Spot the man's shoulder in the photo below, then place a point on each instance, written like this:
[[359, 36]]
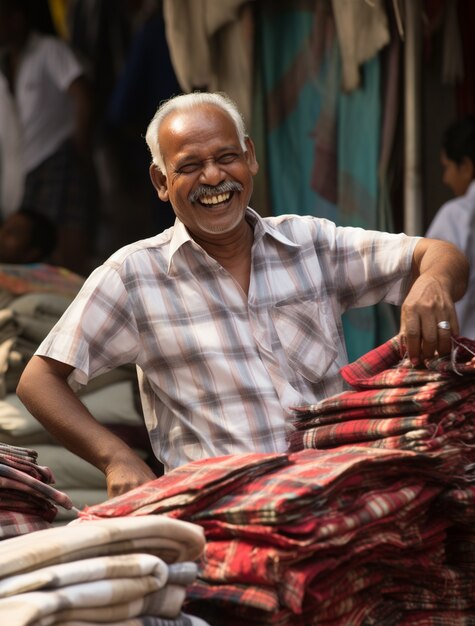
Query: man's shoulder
[[141, 250], [292, 224]]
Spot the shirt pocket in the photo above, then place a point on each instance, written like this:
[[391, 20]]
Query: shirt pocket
[[308, 335]]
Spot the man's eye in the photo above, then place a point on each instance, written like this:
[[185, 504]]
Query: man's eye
[[228, 158], [189, 168]]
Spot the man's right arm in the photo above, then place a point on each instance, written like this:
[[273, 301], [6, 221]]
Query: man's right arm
[[45, 392]]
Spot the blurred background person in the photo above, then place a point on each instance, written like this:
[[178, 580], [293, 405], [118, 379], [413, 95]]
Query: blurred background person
[[27, 236], [55, 111], [455, 220]]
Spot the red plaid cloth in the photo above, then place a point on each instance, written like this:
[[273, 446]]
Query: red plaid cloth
[[430, 397], [385, 366], [13, 523], [12, 478], [341, 536], [187, 488], [441, 618], [289, 534], [396, 406], [411, 428], [40, 472]]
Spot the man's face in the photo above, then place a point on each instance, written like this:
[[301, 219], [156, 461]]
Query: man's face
[[208, 177], [456, 175]]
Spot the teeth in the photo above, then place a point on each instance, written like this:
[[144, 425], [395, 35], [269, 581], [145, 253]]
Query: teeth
[[222, 197]]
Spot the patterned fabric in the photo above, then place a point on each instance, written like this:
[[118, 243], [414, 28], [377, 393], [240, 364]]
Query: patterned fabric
[[86, 570], [106, 571], [385, 366], [142, 620], [280, 543], [28, 501], [111, 600], [14, 522], [192, 486], [13, 478], [218, 371], [395, 405], [349, 534], [171, 540]]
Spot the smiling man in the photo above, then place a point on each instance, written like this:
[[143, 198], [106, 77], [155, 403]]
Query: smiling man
[[230, 318]]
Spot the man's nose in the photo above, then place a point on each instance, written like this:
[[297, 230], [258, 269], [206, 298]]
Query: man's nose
[[211, 173]]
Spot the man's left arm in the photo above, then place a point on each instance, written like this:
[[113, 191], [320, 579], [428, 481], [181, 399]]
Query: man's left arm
[[440, 277]]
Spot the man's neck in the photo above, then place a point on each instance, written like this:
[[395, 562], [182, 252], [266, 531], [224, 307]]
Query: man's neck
[[233, 252]]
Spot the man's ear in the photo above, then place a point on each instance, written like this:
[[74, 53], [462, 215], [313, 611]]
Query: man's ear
[[251, 156], [159, 181]]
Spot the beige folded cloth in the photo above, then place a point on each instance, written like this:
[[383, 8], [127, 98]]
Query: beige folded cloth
[[27, 608], [85, 570], [170, 539], [165, 603]]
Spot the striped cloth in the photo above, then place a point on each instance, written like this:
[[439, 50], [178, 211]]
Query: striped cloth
[[28, 499], [394, 405], [345, 533]]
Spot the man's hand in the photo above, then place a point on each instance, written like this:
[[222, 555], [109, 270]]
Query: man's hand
[[124, 474], [440, 277], [427, 304]]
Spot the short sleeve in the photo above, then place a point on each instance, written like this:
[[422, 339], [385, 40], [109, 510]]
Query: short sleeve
[[97, 332]]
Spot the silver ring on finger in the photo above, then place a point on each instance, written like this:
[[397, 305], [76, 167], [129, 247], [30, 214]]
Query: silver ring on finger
[[443, 325]]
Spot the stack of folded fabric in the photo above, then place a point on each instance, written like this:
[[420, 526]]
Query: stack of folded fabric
[[28, 500], [394, 405], [315, 537], [430, 409], [122, 571]]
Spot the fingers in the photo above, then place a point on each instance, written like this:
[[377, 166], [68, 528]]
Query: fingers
[[428, 303], [444, 335], [424, 336]]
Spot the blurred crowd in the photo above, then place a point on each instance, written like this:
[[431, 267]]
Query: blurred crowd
[[79, 82]]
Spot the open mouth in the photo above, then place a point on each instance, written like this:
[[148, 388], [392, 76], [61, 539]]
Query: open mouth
[[220, 198]]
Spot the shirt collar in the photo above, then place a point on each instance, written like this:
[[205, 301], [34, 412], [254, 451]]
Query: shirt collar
[[261, 227]]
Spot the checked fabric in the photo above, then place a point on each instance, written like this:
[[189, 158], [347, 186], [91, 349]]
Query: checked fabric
[[372, 527], [132, 571], [28, 499], [394, 405]]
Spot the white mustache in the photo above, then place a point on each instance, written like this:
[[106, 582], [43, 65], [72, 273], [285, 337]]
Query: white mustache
[[208, 190]]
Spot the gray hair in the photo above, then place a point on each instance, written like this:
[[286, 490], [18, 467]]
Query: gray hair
[[186, 102]]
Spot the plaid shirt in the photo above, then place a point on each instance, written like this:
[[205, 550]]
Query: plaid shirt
[[218, 370]]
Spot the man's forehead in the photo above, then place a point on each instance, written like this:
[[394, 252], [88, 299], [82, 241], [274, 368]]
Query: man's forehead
[[181, 120], [191, 127]]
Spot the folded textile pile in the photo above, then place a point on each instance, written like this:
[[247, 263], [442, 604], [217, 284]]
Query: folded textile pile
[[314, 537], [132, 572], [429, 409], [394, 405], [28, 500]]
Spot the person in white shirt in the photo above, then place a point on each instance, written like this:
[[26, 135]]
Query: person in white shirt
[[54, 106], [455, 220]]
